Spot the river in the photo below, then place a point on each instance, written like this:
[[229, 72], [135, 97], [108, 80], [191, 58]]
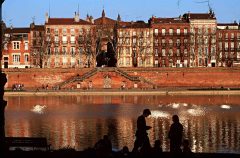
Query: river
[[211, 123]]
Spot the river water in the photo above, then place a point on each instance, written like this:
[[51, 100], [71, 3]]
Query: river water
[[211, 123]]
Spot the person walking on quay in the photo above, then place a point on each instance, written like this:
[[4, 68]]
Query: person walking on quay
[[175, 135], [141, 133]]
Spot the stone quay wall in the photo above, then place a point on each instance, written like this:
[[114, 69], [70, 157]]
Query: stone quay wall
[[149, 78]]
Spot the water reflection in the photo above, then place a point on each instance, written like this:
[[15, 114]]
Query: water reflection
[[212, 123]]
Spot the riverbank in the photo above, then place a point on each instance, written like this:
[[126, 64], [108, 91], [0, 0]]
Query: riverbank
[[124, 92]]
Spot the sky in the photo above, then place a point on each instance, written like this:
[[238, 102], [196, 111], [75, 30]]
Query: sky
[[20, 13]]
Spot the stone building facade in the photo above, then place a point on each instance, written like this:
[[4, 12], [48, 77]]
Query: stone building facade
[[203, 38], [69, 43], [135, 45]]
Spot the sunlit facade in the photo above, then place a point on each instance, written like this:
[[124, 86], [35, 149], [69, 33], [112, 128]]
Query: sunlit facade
[[190, 40]]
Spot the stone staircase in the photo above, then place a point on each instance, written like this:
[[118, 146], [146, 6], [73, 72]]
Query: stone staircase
[[79, 78], [106, 69]]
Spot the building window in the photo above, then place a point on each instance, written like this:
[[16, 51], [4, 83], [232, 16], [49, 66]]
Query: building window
[[226, 35], [26, 45], [238, 55], [185, 31], [232, 35], [220, 45], [120, 61], [156, 52], [72, 31], [170, 52], [220, 35], [178, 31], [56, 31], [16, 58], [49, 50], [170, 31], [64, 39], [170, 63], [48, 30], [156, 42], [72, 51], [72, 39], [56, 50], [134, 40], [185, 52], [155, 32], [134, 33], [170, 42], [120, 41], [163, 32], [127, 61], [163, 52], [26, 58], [140, 62], [127, 51], [64, 50], [178, 42], [56, 39], [232, 45], [148, 61], [185, 41], [80, 31], [178, 52], [226, 45], [16, 45], [163, 42], [64, 31], [156, 62]]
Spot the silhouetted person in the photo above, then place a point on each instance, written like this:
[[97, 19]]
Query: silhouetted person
[[141, 133], [187, 152], [103, 147], [124, 153], [175, 135], [107, 144], [146, 149], [157, 149]]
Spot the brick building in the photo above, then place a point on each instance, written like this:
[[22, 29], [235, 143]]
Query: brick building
[[37, 33], [16, 50], [228, 44], [171, 42]]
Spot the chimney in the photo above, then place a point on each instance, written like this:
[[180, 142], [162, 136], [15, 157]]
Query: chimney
[[46, 18], [76, 17]]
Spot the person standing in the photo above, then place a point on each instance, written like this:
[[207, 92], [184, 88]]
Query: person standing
[[141, 133], [175, 135]]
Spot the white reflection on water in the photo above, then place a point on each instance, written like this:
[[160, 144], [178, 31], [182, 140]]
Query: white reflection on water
[[225, 106], [39, 109], [159, 114], [196, 112]]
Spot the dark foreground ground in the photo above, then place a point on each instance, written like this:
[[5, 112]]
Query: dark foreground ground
[[83, 154]]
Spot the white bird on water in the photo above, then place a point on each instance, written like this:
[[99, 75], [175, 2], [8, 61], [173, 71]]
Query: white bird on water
[[38, 109]]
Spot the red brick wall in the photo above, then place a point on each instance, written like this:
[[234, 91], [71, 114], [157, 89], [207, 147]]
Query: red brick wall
[[162, 77]]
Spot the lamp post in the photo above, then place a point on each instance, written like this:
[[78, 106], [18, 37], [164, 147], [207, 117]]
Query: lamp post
[[3, 81]]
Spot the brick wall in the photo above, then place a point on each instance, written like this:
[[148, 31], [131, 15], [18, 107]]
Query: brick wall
[[162, 77]]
